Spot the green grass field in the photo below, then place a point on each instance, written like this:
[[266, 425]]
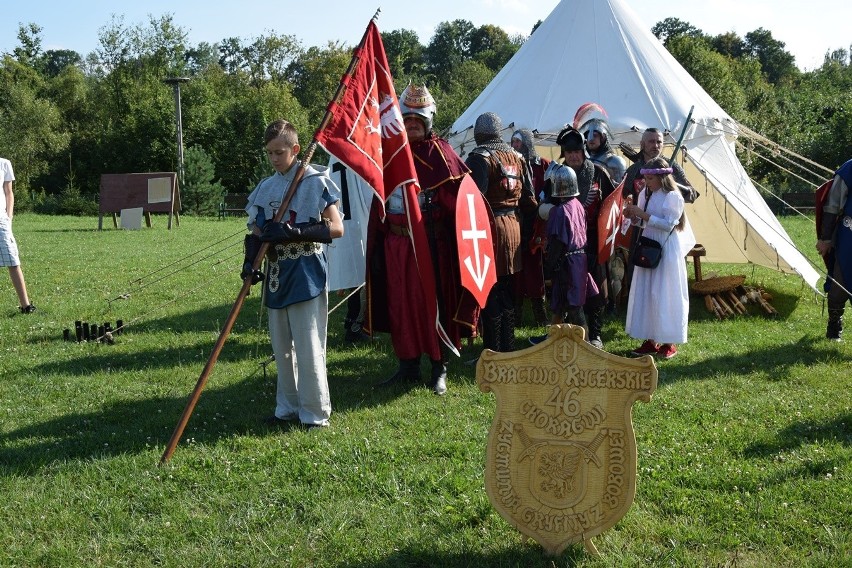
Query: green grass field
[[745, 451]]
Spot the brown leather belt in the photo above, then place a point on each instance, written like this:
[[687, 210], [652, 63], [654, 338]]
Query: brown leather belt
[[399, 230]]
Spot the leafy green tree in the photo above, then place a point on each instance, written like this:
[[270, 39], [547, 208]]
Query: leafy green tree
[[672, 28], [70, 92], [32, 135], [201, 57], [820, 114], [493, 46], [200, 193], [53, 62], [404, 52], [29, 52], [315, 76], [456, 93], [269, 56], [448, 48], [231, 55], [729, 44], [841, 56], [777, 64], [239, 128], [713, 71]]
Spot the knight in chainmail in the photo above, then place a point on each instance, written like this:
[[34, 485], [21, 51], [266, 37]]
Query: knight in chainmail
[[594, 185], [502, 176], [529, 283]]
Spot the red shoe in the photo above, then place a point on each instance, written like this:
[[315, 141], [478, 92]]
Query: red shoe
[[667, 351], [647, 348]]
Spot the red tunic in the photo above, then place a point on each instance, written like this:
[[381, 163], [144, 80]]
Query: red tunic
[[395, 297]]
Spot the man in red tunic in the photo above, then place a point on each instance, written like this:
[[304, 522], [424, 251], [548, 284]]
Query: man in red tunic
[[396, 302]]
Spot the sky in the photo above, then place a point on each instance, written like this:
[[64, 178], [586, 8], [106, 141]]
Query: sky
[[808, 29]]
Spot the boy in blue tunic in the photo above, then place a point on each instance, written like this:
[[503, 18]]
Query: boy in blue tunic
[[296, 284]]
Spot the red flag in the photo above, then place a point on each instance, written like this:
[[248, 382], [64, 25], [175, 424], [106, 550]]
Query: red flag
[[609, 224], [366, 133]]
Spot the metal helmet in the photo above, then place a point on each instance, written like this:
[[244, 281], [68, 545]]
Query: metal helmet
[[564, 183], [616, 166], [593, 125], [417, 101], [488, 126]]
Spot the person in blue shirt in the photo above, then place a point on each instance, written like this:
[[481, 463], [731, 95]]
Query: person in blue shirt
[[296, 282]]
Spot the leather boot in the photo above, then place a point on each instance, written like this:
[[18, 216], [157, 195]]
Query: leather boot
[[519, 309], [491, 332], [507, 330], [539, 313], [835, 324], [438, 383], [408, 371], [594, 319]]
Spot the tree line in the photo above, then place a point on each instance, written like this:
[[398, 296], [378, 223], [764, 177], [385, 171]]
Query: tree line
[[67, 118]]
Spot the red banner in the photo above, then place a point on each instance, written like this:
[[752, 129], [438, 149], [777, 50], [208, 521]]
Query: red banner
[[366, 133], [366, 130], [609, 225]]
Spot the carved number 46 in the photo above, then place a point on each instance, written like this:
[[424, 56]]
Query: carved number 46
[[564, 402]]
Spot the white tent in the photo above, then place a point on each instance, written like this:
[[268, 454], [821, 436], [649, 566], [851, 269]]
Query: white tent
[[599, 51]]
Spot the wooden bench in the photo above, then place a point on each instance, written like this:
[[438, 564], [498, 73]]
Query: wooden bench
[[799, 201], [233, 204]]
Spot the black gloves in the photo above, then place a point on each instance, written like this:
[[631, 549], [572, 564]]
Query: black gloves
[[252, 245], [315, 232]]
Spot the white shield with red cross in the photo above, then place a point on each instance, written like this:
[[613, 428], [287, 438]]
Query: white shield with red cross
[[473, 235]]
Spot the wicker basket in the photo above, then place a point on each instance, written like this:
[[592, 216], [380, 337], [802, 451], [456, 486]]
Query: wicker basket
[[717, 284]]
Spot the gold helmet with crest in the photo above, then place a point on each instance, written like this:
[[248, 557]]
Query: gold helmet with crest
[[416, 100]]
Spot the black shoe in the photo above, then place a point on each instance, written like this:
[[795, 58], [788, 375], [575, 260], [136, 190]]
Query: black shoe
[[408, 372], [834, 330], [275, 422], [356, 337], [28, 309], [399, 377]]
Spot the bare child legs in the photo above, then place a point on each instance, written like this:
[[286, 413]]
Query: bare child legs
[[17, 276]]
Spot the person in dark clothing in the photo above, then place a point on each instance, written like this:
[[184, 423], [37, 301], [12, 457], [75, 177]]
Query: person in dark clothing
[[502, 176]]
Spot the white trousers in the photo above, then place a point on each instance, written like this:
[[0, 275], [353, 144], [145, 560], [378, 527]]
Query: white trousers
[[298, 333]]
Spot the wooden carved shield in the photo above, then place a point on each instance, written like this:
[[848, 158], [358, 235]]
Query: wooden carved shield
[[561, 459]]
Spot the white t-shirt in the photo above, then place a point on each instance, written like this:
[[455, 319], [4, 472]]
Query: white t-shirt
[[8, 175]]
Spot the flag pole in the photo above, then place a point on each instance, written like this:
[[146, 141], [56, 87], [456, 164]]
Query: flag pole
[[244, 290]]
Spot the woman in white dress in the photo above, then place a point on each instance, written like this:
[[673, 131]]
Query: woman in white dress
[[658, 306]]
